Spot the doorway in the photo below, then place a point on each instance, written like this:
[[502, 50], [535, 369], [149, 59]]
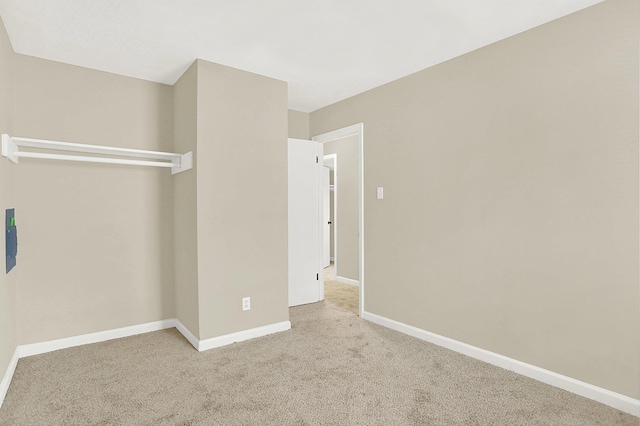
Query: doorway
[[306, 232], [349, 263]]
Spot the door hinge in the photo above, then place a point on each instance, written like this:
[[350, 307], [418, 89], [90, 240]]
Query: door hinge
[[317, 277], [316, 159]]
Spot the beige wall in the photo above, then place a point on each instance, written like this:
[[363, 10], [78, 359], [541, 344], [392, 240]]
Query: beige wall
[[8, 340], [510, 218], [242, 199], [97, 245], [298, 124], [347, 149], [95, 240], [185, 135]]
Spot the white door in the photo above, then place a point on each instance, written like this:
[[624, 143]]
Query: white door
[[326, 217], [304, 220]]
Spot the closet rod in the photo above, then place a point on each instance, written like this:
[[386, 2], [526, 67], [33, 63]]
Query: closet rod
[[177, 162], [92, 159]]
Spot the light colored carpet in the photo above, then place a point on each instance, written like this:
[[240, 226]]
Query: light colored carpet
[[332, 368], [344, 296], [330, 272]]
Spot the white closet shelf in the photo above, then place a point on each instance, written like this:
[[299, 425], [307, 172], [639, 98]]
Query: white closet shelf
[[177, 162]]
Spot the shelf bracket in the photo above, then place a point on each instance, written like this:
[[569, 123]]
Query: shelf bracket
[[9, 149]]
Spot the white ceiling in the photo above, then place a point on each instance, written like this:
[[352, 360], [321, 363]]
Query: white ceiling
[[327, 50]]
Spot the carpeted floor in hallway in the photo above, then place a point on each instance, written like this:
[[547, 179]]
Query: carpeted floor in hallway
[[344, 296], [332, 368]]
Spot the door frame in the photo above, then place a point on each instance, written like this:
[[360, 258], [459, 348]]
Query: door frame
[[353, 130], [326, 220], [334, 160]]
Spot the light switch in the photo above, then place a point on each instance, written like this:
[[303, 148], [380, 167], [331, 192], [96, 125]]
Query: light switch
[[380, 193]]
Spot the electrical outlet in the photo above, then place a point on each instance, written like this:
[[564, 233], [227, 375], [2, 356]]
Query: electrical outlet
[[246, 303]]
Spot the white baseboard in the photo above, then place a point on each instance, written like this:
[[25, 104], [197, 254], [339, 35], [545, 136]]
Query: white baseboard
[[604, 396], [201, 345], [101, 336], [240, 336], [349, 281], [187, 334], [8, 375]]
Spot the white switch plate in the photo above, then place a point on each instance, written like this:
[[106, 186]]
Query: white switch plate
[[246, 303], [380, 193]]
